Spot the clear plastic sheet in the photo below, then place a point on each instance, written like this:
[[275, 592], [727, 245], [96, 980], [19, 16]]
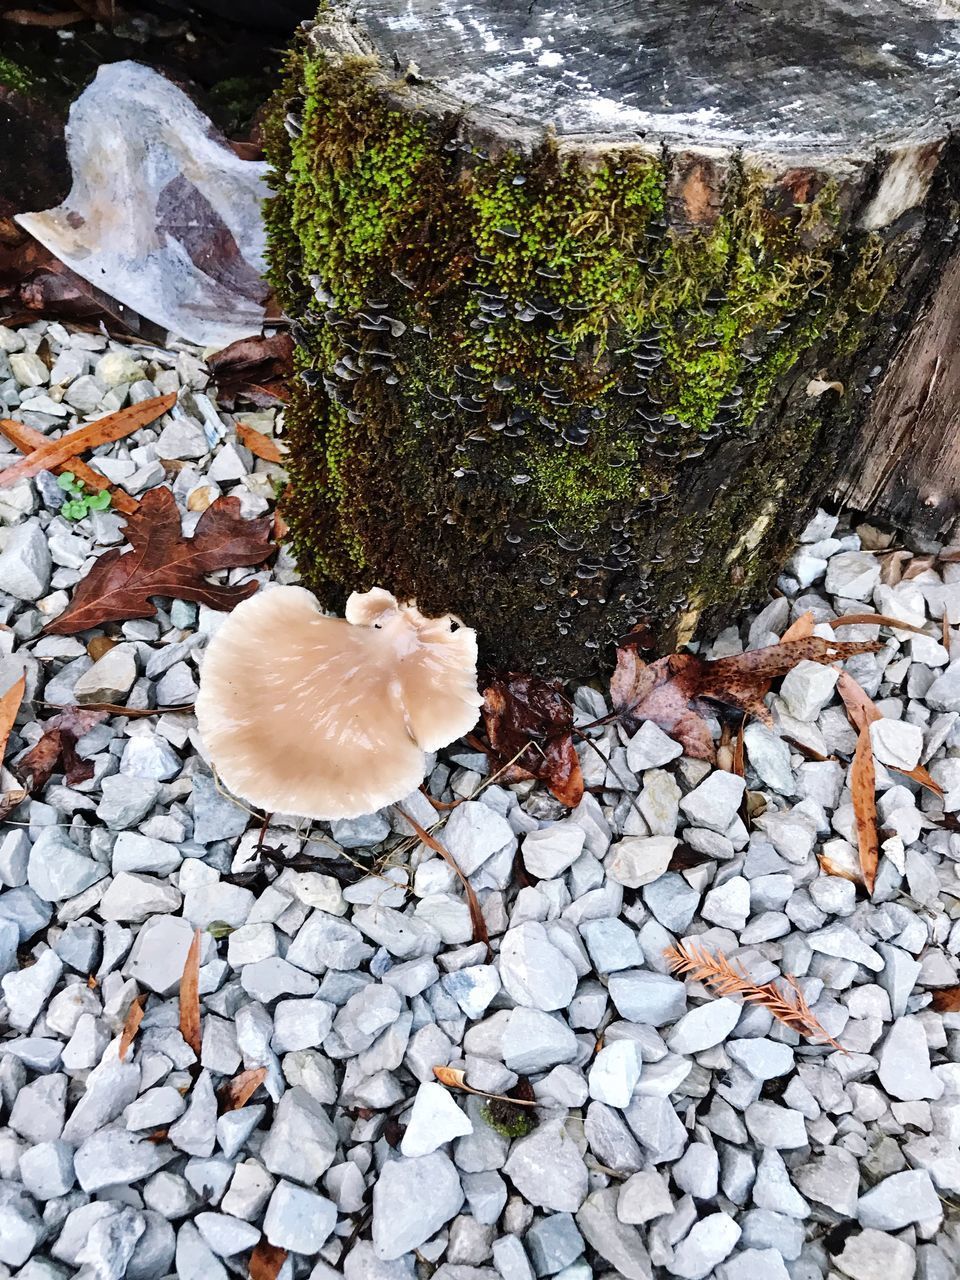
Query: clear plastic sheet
[[162, 215]]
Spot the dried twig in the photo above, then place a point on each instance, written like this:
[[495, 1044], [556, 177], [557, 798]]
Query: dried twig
[[480, 933], [724, 980]]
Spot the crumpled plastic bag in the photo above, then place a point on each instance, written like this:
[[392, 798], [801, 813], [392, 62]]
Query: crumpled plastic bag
[[162, 215]]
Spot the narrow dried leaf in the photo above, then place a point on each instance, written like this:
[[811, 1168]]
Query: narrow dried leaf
[[455, 1078], [862, 711], [236, 1093], [29, 438], [190, 996], [480, 931], [874, 620], [946, 1000], [724, 980], [892, 566], [164, 563], [114, 427], [863, 791], [800, 629], [9, 706], [945, 631], [260, 446], [738, 761], [131, 1026], [266, 1260]]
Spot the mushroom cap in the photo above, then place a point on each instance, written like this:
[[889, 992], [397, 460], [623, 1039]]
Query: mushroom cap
[[330, 717]]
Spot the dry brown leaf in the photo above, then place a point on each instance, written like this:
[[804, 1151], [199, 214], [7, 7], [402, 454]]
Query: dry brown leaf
[[892, 566], [874, 620], [131, 1026], [456, 1078], [57, 747], [675, 691], [29, 438], [530, 721], [258, 367], [163, 562], [9, 706], [106, 430], [266, 1260], [480, 931], [724, 980], [9, 801], [800, 629], [236, 1093], [260, 445], [190, 996], [946, 1000], [863, 791], [945, 631], [35, 18]]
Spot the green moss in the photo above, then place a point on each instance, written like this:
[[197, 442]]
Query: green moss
[[508, 1119], [559, 350], [13, 76]]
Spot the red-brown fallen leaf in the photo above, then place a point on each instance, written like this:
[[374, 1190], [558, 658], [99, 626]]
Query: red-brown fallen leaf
[[480, 932], [863, 792], [236, 1093], [261, 446], [675, 691], [266, 1260], [165, 563], [57, 746], [34, 18], [131, 1026], [27, 439], [190, 996], [104, 431], [862, 712], [531, 719], [946, 1000]]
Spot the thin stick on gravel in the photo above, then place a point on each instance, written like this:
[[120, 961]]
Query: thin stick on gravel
[[719, 974], [132, 1025]]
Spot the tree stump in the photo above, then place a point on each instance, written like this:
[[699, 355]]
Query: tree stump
[[594, 303]]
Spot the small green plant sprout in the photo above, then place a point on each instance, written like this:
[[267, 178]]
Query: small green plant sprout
[[81, 503]]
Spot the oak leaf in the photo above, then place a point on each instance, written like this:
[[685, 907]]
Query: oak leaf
[[676, 692], [163, 562], [529, 722]]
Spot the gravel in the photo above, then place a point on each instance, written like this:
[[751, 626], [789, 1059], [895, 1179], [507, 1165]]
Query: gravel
[[675, 1133]]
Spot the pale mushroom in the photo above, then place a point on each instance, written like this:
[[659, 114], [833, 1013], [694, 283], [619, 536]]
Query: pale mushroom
[[327, 717]]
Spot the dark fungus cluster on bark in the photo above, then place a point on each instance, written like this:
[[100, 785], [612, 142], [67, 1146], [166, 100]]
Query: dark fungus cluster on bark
[[562, 386]]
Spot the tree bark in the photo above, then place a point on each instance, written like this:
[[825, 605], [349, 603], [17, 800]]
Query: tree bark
[[594, 307]]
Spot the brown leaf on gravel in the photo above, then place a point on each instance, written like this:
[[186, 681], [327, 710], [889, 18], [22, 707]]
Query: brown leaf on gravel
[[266, 1260], [946, 1000], [260, 445], [863, 791], [800, 629], [258, 367], [115, 426], [35, 18], [236, 1093], [9, 706], [131, 1026], [530, 721], [9, 801], [190, 996], [57, 748], [163, 562], [676, 691], [480, 932], [874, 620]]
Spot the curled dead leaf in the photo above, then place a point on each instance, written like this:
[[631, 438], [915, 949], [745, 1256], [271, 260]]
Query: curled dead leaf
[[863, 791], [131, 1026], [456, 1078], [236, 1093], [530, 720]]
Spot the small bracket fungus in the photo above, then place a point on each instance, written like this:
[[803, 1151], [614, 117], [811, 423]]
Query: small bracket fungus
[[330, 717]]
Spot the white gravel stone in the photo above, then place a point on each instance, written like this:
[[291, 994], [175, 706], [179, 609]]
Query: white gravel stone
[[807, 688], [533, 971], [896, 743], [615, 1072], [435, 1120], [547, 1168], [714, 803], [25, 562], [298, 1219], [706, 1025], [710, 1241], [412, 1200], [650, 747], [550, 851]]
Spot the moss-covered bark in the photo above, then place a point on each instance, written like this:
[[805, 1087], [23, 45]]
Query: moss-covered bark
[[535, 388]]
